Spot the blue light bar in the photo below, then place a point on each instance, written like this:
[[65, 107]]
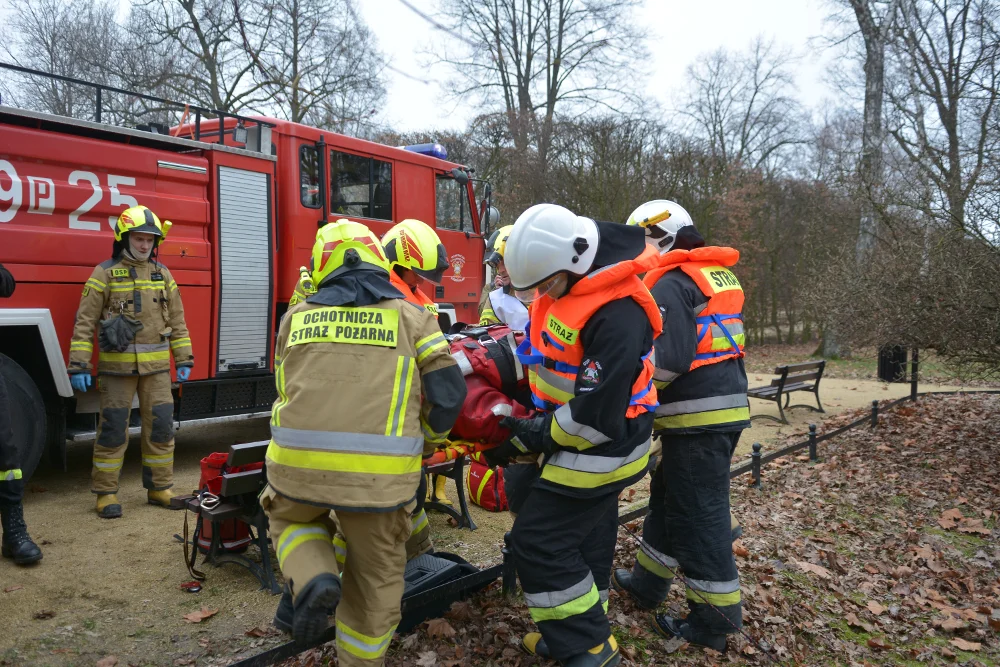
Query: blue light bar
[[434, 150]]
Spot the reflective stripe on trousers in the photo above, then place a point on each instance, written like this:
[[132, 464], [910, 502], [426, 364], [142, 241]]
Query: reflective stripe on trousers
[[656, 562], [361, 645], [297, 534], [558, 605], [718, 593]]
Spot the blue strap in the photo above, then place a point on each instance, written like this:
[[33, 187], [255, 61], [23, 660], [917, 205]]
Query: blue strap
[[639, 396], [732, 341], [710, 319], [527, 354]]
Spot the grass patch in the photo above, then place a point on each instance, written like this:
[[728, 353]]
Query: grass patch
[[967, 544]]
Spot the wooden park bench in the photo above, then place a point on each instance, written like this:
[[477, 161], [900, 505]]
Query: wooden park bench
[[238, 499], [792, 377]]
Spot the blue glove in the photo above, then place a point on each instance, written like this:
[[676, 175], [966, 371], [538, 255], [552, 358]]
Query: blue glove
[[80, 381], [183, 373]]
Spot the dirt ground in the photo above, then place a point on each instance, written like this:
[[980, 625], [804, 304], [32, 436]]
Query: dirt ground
[[113, 587]]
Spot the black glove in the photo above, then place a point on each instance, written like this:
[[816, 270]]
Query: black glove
[[533, 432], [500, 455]]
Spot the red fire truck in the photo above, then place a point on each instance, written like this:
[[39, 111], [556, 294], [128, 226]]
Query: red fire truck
[[245, 209]]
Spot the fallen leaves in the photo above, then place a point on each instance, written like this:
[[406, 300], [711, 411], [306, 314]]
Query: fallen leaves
[[201, 615], [439, 628], [427, 659], [11, 589], [108, 661], [963, 645], [875, 608], [950, 518], [740, 550], [43, 614], [818, 570]]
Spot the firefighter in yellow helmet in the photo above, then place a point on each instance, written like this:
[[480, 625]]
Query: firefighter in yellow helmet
[[355, 451], [415, 254], [501, 306], [133, 304]]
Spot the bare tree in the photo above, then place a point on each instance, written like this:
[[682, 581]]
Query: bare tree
[[741, 105], [874, 19], [319, 63], [945, 59], [535, 57], [212, 66]]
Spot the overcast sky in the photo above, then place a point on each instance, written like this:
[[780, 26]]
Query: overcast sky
[[679, 30]]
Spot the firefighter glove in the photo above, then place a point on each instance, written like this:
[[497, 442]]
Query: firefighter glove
[[183, 373], [117, 333], [500, 455], [531, 434], [80, 381]]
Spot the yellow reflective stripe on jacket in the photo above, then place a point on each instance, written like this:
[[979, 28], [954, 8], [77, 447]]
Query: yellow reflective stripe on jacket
[[552, 384], [10, 475], [134, 356], [706, 411], [81, 346], [427, 345], [584, 471], [180, 342], [279, 381], [401, 384], [567, 432], [297, 534], [345, 452], [432, 436], [488, 317], [361, 645], [418, 522], [95, 284], [559, 605], [171, 286]]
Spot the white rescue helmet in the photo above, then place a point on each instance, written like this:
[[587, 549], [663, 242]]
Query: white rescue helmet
[[662, 219], [547, 243]]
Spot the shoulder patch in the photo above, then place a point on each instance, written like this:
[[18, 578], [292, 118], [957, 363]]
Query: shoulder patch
[[589, 376], [119, 273], [86, 291]]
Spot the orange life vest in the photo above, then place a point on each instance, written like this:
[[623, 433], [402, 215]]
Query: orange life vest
[[413, 295], [720, 320], [554, 351]]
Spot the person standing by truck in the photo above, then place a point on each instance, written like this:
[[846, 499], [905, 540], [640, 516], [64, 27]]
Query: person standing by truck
[[134, 305], [17, 544]]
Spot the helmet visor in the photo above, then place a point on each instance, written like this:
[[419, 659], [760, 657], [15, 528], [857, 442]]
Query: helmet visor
[[437, 274], [554, 287], [493, 259]]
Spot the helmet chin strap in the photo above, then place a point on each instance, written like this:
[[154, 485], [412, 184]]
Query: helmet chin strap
[[135, 253]]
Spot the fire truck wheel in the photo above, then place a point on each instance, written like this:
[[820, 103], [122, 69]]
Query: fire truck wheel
[[27, 413]]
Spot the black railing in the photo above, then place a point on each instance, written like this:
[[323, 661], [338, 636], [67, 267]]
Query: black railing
[[198, 111]]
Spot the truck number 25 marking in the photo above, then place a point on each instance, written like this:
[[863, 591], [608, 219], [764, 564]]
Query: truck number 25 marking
[[42, 196]]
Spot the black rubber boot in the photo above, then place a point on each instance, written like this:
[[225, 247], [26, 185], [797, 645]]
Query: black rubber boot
[[644, 587], [313, 607], [679, 631], [604, 655], [17, 544], [534, 644], [284, 616]]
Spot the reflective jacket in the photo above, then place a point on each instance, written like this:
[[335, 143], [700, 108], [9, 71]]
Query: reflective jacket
[[700, 377], [568, 376], [501, 307], [145, 291], [413, 295], [350, 423]]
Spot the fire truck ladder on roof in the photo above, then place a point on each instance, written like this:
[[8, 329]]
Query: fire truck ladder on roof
[[185, 109]]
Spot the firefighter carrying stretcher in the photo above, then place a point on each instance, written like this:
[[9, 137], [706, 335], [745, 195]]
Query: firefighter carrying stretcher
[[134, 305], [590, 341], [357, 452]]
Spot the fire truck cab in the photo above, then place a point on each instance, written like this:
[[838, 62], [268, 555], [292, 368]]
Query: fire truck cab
[[245, 210]]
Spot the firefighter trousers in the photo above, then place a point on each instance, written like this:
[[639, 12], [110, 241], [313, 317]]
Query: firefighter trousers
[[372, 576], [11, 481], [156, 405], [563, 550], [688, 526], [417, 544]]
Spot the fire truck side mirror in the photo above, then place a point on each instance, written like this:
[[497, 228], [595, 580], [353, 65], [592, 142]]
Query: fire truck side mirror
[[460, 176]]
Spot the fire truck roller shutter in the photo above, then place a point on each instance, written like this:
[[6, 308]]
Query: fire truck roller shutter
[[245, 260]]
